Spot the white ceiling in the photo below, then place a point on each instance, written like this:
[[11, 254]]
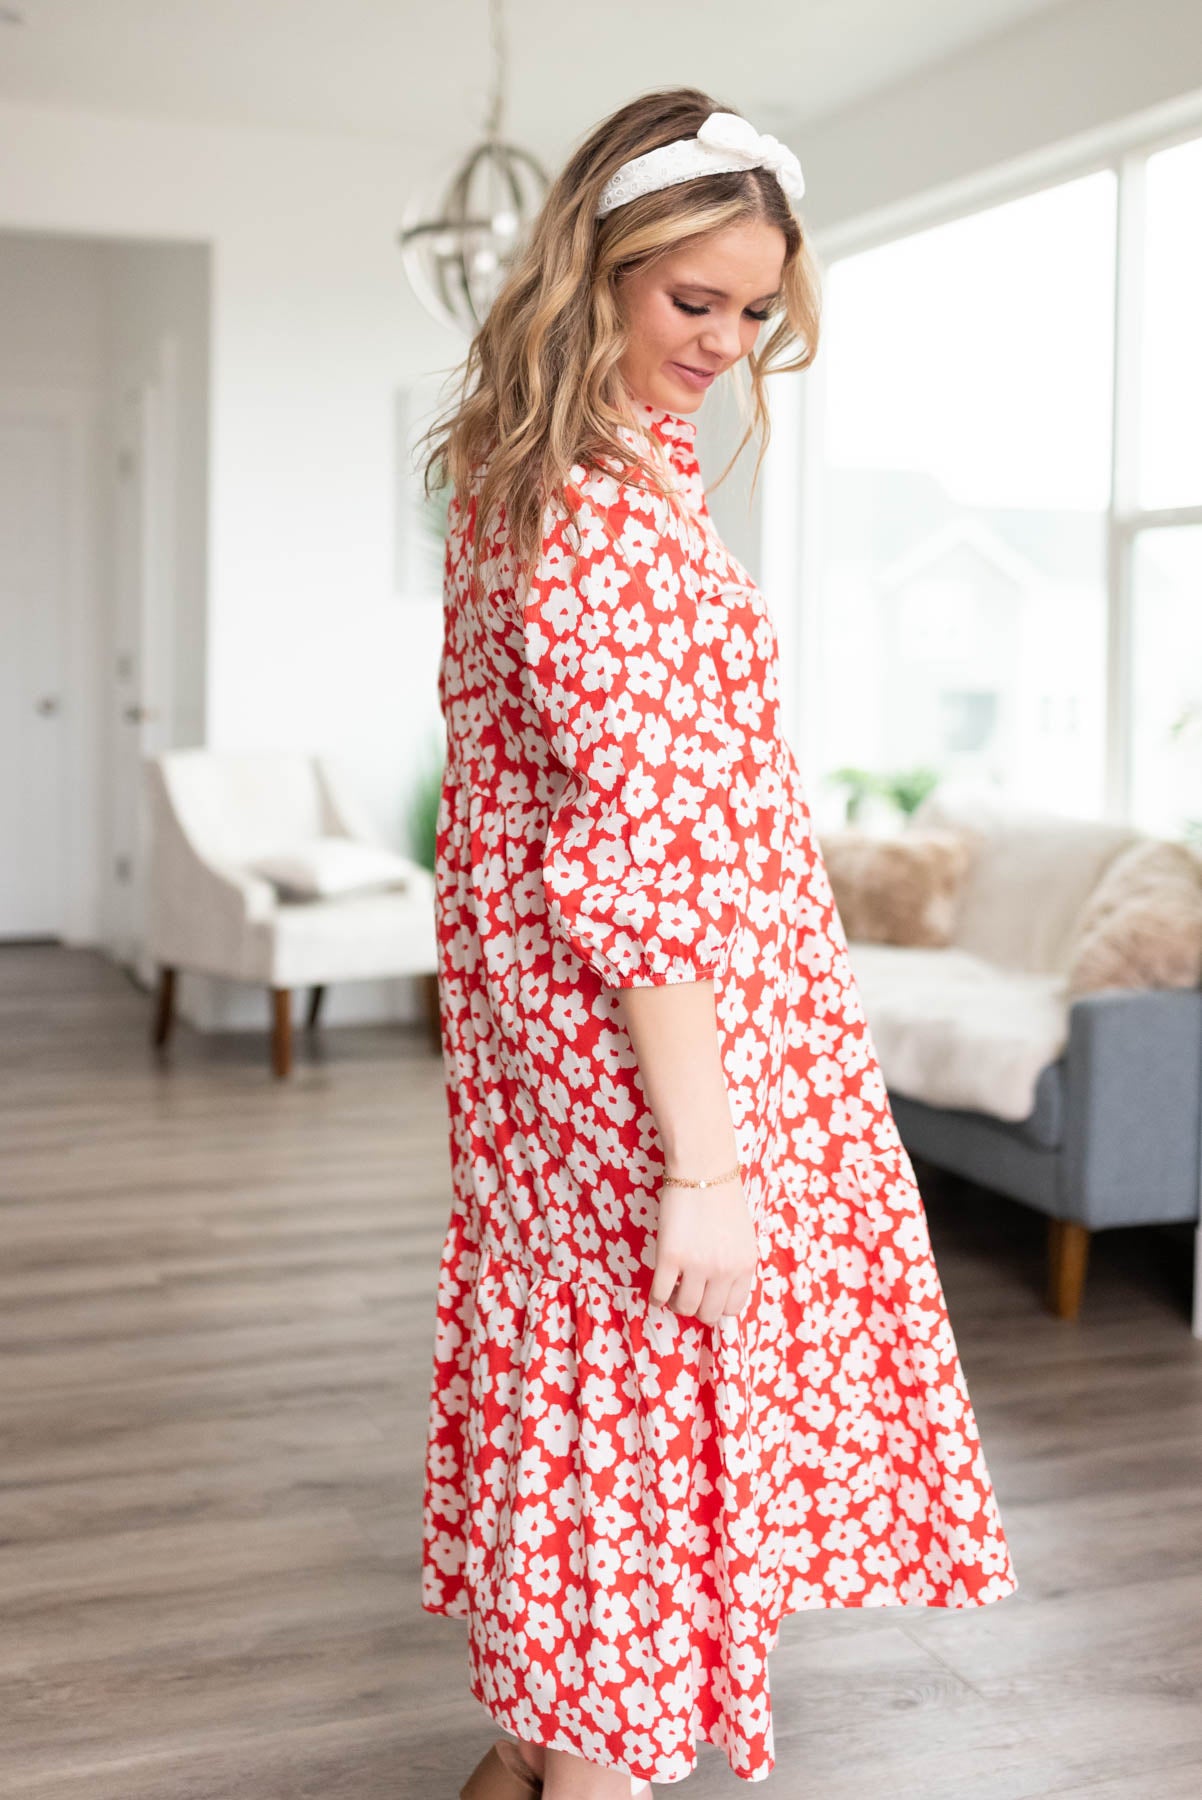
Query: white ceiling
[[420, 73]]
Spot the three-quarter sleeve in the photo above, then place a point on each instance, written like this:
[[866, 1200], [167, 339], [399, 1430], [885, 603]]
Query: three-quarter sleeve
[[641, 867]]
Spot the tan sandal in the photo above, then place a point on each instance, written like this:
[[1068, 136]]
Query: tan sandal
[[497, 1778], [503, 1774]]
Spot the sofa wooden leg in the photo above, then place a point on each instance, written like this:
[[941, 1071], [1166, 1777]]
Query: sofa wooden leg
[[164, 1011], [315, 1000], [1068, 1255], [281, 1031]]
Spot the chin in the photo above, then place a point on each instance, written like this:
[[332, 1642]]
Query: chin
[[683, 398]]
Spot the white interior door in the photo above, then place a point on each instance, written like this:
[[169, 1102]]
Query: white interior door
[[143, 633], [35, 534]]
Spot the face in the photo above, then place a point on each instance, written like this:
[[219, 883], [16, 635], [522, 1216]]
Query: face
[[695, 309]]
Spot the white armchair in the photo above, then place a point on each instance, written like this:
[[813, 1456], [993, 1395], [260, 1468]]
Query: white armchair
[[211, 813]]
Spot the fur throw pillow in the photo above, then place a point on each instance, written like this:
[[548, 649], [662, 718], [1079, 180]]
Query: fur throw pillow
[[898, 890], [1142, 925]]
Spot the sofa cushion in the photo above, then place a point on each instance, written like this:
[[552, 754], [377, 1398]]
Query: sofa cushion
[[952, 1029], [1142, 925], [1030, 877], [897, 890], [1042, 1129]]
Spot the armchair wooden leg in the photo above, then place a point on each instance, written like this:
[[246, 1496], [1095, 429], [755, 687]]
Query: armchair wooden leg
[[315, 1000], [1068, 1255], [281, 1032], [433, 1013], [164, 1012]]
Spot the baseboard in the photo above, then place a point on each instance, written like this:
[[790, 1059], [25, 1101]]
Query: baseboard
[[210, 1005]]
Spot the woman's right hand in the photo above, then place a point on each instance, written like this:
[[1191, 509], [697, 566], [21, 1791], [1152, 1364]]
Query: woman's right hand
[[706, 1251]]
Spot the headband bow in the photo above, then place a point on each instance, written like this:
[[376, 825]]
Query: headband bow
[[736, 136], [723, 141]]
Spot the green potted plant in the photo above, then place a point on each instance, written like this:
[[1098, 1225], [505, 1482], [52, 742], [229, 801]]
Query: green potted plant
[[904, 789], [424, 799], [859, 784], [908, 788], [422, 824]]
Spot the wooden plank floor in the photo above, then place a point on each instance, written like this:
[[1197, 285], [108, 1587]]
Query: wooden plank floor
[[216, 1313]]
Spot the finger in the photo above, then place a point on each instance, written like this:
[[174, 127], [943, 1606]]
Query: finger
[[663, 1283], [740, 1294], [716, 1302], [689, 1295]]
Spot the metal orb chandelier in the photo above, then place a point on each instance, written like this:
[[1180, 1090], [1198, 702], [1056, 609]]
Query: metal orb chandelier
[[458, 247]]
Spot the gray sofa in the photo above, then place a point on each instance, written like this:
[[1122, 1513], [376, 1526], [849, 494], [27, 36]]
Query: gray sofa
[[1090, 1112]]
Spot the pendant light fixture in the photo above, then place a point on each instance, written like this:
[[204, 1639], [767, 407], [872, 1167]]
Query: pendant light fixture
[[457, 247]]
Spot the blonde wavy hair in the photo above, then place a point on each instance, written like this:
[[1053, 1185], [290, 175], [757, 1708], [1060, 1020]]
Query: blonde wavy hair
[[540, 388]]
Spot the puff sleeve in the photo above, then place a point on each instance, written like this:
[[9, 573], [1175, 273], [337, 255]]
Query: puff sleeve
[[641, 866]]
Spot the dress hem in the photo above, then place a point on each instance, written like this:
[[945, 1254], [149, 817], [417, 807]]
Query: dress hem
[[502, 1715], [499, 1714]]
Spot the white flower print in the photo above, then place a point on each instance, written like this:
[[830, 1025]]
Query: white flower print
[[546, 1628], [617, 1498], [569, 1667]]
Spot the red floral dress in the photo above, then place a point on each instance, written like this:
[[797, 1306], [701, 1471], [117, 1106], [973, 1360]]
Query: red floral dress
[[623, 1503]]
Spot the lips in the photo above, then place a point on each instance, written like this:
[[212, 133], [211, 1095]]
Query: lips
[[696, 378]]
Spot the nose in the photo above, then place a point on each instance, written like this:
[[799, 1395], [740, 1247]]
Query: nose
[[720, 339]]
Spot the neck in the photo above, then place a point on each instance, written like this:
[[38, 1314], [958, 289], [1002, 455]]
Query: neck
[[640, 410]]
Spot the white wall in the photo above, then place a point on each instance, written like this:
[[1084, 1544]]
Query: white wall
[[52, 306], [313, 327], [1072, 72]]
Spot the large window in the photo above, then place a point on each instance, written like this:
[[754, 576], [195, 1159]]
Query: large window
[[1010, 501]]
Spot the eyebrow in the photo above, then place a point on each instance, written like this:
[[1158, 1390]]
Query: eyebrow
[[699, 287]]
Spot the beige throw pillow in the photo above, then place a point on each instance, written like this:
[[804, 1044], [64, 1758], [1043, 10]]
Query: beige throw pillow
[[1142, 925], [898, 890]]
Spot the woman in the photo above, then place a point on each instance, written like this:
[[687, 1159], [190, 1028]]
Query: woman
[[693, 1367]]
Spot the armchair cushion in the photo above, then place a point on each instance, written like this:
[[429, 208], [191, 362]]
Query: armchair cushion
[[321, 868], [352, 937]]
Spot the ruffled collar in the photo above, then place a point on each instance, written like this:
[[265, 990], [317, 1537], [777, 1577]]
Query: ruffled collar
[[676, 434], [680, 426]]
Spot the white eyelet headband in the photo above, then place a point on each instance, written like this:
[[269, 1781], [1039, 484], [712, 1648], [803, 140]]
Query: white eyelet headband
[[725, 141]]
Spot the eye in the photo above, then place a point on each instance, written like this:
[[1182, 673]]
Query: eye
[[696, 311]]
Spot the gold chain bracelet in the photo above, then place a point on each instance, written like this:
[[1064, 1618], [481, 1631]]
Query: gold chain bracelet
[[680, 1181]]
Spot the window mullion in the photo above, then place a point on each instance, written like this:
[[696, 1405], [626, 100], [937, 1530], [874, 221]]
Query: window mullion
[[1125, 443]]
